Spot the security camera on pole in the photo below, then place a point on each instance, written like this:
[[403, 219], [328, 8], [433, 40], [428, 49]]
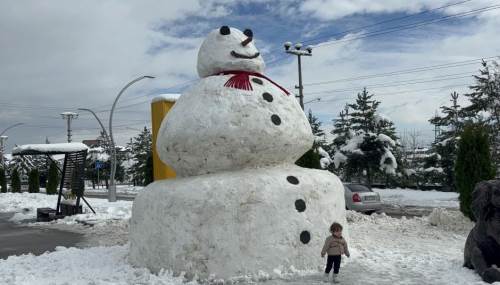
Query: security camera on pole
[[299, 53]]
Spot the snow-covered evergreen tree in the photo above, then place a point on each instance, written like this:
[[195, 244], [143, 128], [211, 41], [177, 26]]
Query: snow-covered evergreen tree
[[451, 124], [22, 163], [362, 117], [313, 157], [341, 134], [142, 153], [384, 125], [485, 105], [319, 134], [34, 181], [341, 129], [368, 147]]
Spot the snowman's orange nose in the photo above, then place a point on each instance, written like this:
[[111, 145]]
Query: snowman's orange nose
[[247, 41]]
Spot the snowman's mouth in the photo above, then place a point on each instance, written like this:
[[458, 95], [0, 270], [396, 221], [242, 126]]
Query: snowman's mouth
[[239, 55]]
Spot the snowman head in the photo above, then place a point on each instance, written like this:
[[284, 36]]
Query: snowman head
[[229, 49]]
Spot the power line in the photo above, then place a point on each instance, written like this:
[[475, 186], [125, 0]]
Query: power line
[[414, 25], [179, 85], [405, 71], [385, 21], [389, 93], [403, 27], [384, 85]]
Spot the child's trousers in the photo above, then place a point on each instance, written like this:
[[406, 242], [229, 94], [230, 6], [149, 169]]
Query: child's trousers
[[335, 261]]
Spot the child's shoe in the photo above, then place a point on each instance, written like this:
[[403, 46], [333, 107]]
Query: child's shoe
[[325, 278], [335, 279]]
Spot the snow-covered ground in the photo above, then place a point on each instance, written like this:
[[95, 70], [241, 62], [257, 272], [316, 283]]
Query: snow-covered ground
[[410, 197], [384, 250], [120, 189], [24, 206]]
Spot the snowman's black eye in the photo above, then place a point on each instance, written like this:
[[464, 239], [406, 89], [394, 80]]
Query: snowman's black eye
[[248, 33], [224, 30]]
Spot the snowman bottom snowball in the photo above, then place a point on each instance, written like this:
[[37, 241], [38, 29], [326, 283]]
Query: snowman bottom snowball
[[239, 223]]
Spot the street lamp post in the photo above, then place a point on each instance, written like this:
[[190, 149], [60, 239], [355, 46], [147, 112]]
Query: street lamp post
[[104, 132], [112, 186], [10, 127], [299, 53], [3, 139]]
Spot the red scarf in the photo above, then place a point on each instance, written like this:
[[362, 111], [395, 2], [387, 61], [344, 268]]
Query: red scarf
[[241, 80]]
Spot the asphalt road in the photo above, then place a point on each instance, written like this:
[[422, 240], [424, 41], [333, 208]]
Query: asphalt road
[[17, 239]]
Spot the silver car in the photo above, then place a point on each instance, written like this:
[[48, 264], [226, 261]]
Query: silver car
[[360, 198]]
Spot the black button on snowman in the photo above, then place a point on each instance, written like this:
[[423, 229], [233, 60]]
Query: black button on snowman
[[240, 205]]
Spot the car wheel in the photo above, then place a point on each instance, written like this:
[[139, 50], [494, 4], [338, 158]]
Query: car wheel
[[369, 212]]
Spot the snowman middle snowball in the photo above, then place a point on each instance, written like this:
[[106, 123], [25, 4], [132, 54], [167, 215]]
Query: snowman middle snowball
[[234, 117]]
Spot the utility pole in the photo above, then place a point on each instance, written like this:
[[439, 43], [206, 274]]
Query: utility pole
[[69, 116], [299, 53], [454, 98], [346, 112], [437, 130]]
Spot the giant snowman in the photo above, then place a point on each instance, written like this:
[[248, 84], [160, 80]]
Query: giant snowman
[[239, 205]]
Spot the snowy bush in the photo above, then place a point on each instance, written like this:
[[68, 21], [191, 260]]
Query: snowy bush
[[473, 164], [34, 181], [15, 181], [3, 181]]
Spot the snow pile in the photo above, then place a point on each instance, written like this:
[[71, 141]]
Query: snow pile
[[449, 220], [98, 265]]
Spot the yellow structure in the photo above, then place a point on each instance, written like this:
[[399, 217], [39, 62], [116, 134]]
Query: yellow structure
[[159, 109]]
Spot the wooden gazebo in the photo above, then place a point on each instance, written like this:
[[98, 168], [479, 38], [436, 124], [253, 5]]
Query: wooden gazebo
[[72, 175]]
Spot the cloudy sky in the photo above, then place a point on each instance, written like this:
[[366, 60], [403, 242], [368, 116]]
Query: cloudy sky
[[58, 56]]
